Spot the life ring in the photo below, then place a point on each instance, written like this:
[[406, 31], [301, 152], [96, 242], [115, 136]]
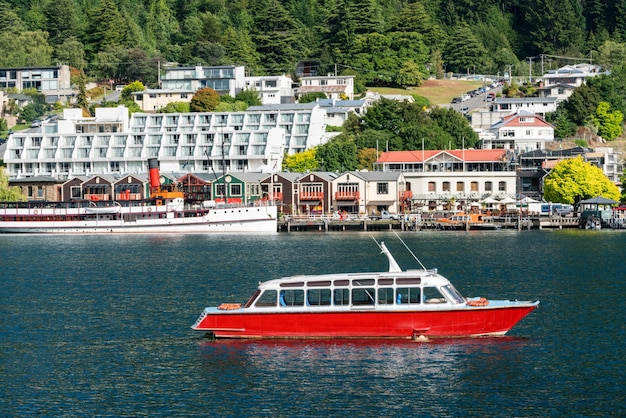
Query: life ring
[[229, 306], [149, 209], [35, 212], [477, 302], [94, 198]]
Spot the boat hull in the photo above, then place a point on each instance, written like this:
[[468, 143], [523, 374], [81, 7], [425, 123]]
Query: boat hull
[[260, 219], [465, 321]]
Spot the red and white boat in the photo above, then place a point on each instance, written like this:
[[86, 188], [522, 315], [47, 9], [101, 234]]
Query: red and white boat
[[394, 304]]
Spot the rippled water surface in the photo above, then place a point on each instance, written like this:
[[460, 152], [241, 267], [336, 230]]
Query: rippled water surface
[[100, 326]]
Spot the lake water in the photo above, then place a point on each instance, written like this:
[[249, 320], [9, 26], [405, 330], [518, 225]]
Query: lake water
[[100, 326]]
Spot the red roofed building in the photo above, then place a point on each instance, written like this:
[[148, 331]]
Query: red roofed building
[[521, 131], [435, 177]]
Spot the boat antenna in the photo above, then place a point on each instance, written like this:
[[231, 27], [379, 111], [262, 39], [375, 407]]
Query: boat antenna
[[409, 250], [393, 265]]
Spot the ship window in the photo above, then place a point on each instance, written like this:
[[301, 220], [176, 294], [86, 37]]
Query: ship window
[[385, 282], [252, 298], [291, 297], [319, 283], [408, 295], [409, 280], [341, 296], [363, 296], [432, 295], [363, 282], [318, 297], [292, 284], [341, 282], [452, 294], [385, 295], [267, 299]]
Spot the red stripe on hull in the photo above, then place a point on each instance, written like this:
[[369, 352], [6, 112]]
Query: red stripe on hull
[[364, 324]]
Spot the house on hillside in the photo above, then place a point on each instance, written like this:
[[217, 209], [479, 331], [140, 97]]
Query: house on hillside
[[561, 83], [521, 131]]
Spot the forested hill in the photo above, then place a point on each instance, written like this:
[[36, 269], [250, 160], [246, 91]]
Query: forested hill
[[380, 41]]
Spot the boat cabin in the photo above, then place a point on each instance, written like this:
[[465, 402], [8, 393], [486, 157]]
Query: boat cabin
[[408, 289]]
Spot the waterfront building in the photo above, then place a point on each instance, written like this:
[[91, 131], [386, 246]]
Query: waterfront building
[[366, 192], [437, 177]]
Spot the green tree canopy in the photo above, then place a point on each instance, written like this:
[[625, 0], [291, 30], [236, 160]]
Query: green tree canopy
[[9, 194], [573, 180], [301, 161], [609, 123]]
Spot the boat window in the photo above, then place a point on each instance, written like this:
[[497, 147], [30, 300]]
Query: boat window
[[408, 295], [363, 296], [432, 295], [252, 298], [318, 297], [385, 282], [341, 282], [452, 294], [341, 296], [363, 282], [267, 299], [325, 283], [385, 295], [408, 280], [292, 284], [291, 297]]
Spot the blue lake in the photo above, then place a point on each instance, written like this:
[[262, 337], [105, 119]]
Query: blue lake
[[100, 326]]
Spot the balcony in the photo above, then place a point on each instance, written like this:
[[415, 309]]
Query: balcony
[[347, 195], [311, 195]]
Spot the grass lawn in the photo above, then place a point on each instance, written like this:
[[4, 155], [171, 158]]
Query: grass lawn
[[437, 91]]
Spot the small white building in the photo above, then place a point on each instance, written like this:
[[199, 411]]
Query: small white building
[[335, 87], [536, 105], [272, 89], [151, 100]]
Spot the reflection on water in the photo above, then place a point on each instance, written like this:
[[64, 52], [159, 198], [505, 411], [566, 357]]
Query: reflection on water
[[100, 326]]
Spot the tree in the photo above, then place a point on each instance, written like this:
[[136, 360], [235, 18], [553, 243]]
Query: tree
[[71, 52], [581, 104], [609, 123], [205, 100], [61, 21], [9, 194], [81, 97], [366, 158], [573, 180], [175, 107], [25, 49], [338, 154], [464, 52], [250, 97], [129, 89], [301, 161], [311, 97], [410, 74]]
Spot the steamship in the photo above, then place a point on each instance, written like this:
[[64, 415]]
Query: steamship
[[164, 212]]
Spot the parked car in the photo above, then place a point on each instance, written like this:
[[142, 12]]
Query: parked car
[[384, 215], [464, 109], [456, 100]]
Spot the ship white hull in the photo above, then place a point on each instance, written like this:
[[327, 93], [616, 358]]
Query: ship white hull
[[260, 219]]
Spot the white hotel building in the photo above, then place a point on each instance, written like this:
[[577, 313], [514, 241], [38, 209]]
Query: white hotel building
[[114, 142]]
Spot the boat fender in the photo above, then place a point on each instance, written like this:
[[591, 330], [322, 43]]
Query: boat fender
[[229, 306], [477, 302], [149, 209]]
